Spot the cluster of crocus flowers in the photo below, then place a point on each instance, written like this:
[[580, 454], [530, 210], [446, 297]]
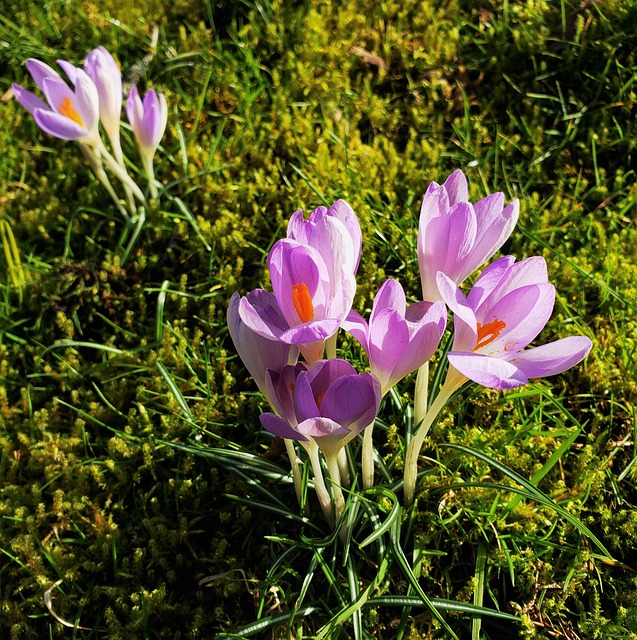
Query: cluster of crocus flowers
[[93, 95], [321, 402]]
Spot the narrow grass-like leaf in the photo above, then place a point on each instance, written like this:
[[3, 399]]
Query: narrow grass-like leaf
[[478, 594], [440, 604], [159, 315], [266, 623], [174, 389], [534, 493], [384, 526], [413, 580]]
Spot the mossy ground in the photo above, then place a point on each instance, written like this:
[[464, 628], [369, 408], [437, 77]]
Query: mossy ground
[[107, 355]]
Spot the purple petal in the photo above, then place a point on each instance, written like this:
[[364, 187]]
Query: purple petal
[[39, 71], [69, 69], [257, 352], [260, 312], [57, 125], [272, 423], [388, 340], [554, 357], [390, 296], [28, 100], [488, 280], [494, 373], [530, 271], [134, 109], [309, 332], [464, 322], [321, 428], [456, 187], [351, 401], [357, 327], [524, 312]]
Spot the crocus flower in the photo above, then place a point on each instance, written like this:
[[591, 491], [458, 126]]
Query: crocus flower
[[71, 114], [331, 404], [314, 285], [302, 230], [398, 339], [259, 354], [148, 119], [103, 70], [504, 312], [455, 236]]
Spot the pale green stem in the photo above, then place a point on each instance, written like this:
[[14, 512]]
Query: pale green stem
[[421, 393], [121, 173], [295, 463], [453, 382], [330, 347], [119, 156], [343, 466], [98, 169], [367, 458], [331, 460], [319, 483], [150, 173]]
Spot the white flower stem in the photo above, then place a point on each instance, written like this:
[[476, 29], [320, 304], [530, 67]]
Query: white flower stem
[[367, 457], [319, 484], [330, 347], [150, 174], [343, 466], [421, 393], [331, 460], [295, 463], [121, 173], [119, 156], [98, 169], [453, 382]]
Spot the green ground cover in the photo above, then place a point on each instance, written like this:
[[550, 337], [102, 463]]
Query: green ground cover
[[134, 471]]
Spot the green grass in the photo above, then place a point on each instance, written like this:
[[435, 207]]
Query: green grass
[[133, 466]]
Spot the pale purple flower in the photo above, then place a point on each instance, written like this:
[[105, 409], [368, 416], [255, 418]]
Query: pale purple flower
[[71, 114], [103, 70], [259, 353], [505, 310], [303, 230], [455, 236], [399, 338], [314, 285], [148, 119], [329, 403]]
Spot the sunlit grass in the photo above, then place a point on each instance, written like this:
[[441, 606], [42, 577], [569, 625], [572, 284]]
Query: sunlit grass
[[133, 465]]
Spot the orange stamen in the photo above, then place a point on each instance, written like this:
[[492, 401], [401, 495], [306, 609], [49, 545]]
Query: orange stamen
[[320, 399], [67, 110], [488, 333], [303, 302]]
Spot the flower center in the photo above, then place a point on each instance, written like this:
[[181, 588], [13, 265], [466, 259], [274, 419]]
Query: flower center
[[488, 332], [66, 109], [303, 302]]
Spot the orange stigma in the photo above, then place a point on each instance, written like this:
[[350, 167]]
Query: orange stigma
[[303, 302], [488, 333], [66, 109]]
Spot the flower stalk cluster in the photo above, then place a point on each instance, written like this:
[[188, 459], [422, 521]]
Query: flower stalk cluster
[[92, 96], [287, 339]]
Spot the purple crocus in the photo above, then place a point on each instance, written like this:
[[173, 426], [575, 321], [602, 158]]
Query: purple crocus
[[71, 114], [455, 236], [314, 285], [398, 339], [505, 310], [103, 70], [303, 230], [328, 404], [148, 119], [259, 354]]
